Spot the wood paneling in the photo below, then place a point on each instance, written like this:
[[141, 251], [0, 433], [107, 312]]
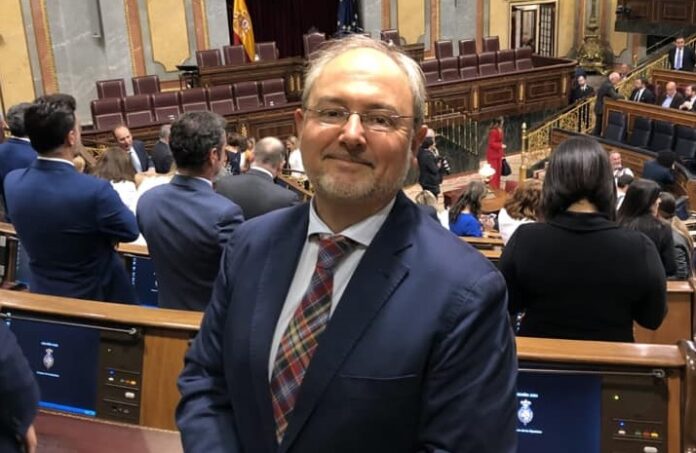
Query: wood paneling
[[162, 363], [135, 38], [44, 46], [200, 23]]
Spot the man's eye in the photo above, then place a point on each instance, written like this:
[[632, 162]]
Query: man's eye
[[333, 114], [380, 120]]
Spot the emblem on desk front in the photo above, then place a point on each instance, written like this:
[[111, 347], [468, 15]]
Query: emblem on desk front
[[48, 359], [525, 414]]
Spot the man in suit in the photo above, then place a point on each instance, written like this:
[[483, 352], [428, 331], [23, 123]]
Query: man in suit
[[19, 394], [581, 91], [354, 322], [135, 149], [689, 98], [186, 224], [641, 92], [16, 152], [681, 58], [256, 191], [68, 222], [429, 175], [607, 90], [671, 99], [661, 170], [161, 154]]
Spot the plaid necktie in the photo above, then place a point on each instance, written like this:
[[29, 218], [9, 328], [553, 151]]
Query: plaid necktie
[[301, 337]]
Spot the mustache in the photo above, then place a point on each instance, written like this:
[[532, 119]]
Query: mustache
[[348, 157]]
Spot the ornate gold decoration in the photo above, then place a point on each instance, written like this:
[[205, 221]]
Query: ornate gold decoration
[[591, 52]]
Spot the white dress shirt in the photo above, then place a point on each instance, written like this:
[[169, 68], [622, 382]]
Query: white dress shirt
[[295, 162], [362, 233], [55, 159], [507, 225]]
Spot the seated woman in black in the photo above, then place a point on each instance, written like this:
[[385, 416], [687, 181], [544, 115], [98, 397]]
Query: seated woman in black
[[578, 275], [639, 212]]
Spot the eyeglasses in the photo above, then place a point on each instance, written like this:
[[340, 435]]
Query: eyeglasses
[[374, 120]]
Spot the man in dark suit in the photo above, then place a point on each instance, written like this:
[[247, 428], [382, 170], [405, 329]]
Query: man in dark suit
[[16, 152], [161, 155], [681, 58], [354, 322], [641, 92], [68, 222], [135, 149], [255, 191], [607, 90], [661, 170], [19, 394], [581, 90], [689, 99], [186, 224], [671, 99], [429, 174]]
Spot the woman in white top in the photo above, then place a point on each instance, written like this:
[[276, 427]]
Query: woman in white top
[[115, 166], [521, 207], [294, 157]]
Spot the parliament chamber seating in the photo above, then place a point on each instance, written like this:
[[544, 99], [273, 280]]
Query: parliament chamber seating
[[208, 58], [149, 84], [468, 66], [221, 99], [642, 131], [443, 49], [167, 105], [431, 70], [266, 51], [662, 136], [467, 47], [311, 42], [194, 100], [390, 36], [138, 110], [449, 68], [616, 127], [685, 145], [247, 95], [234, 54], [107, 113], [491, 44], [273, 92], [114, 88], [487, 69]]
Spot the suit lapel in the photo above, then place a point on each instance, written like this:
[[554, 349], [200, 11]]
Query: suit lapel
[[276, 275], [379, 273]]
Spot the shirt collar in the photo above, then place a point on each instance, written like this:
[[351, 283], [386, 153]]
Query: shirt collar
[[362, 232], [55, 159], [24, 139], [262, 170], [207, 181]]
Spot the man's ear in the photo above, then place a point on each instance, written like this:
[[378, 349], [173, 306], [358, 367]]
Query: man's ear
[[71, 138], [299, 122]]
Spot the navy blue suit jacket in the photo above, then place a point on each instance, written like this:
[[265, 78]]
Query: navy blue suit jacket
[[14, 154], [143, 156], [68, 223], [418, 355], [186, 225], [656, 172], [19, 394]]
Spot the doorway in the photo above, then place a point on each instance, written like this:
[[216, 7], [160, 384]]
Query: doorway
[[534, 25]]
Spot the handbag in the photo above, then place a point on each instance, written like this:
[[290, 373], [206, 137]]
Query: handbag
[[505, 169]]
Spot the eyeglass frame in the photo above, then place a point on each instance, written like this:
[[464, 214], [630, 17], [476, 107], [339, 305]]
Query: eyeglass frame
[[346, 114]]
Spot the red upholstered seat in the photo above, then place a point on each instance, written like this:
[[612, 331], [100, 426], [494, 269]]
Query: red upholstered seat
[[234, 54], [247, 95], [166, 105], [149, 84], [208, 58], [273, 92], [106, 113], [138, 110], [221, 99], [194, 100], [114, 88]]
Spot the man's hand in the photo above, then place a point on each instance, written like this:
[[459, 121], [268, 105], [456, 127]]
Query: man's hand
[[30, 440]]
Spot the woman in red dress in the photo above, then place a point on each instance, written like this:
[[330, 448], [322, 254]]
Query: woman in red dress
[[496, 150]]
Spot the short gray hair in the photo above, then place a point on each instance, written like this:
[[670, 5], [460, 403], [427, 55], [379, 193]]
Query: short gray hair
[[165, 131], [269, 151], [337, 47]]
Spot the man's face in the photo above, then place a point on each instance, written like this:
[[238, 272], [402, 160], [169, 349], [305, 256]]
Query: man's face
[[679, 43], [638, 84], [688, 91], [615, 159], [123, 137], [581, 81], [350, 163], [671, 89]]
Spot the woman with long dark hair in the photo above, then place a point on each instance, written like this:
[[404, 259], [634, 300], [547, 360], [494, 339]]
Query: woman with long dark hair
[[578, 275], [639, 211], [683, 244], [463, 215]]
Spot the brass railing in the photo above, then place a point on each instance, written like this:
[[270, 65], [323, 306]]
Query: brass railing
[[580, 116], [453, 125]]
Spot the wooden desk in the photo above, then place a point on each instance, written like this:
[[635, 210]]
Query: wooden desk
[[679, 322], [632, 110], [60, 433], [484, 243], [166, 339]]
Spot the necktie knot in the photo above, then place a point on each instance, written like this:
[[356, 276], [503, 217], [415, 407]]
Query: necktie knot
[[332, 250]]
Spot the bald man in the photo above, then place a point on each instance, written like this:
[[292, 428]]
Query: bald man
[[607, 90], [256, 191], [671, 99]]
